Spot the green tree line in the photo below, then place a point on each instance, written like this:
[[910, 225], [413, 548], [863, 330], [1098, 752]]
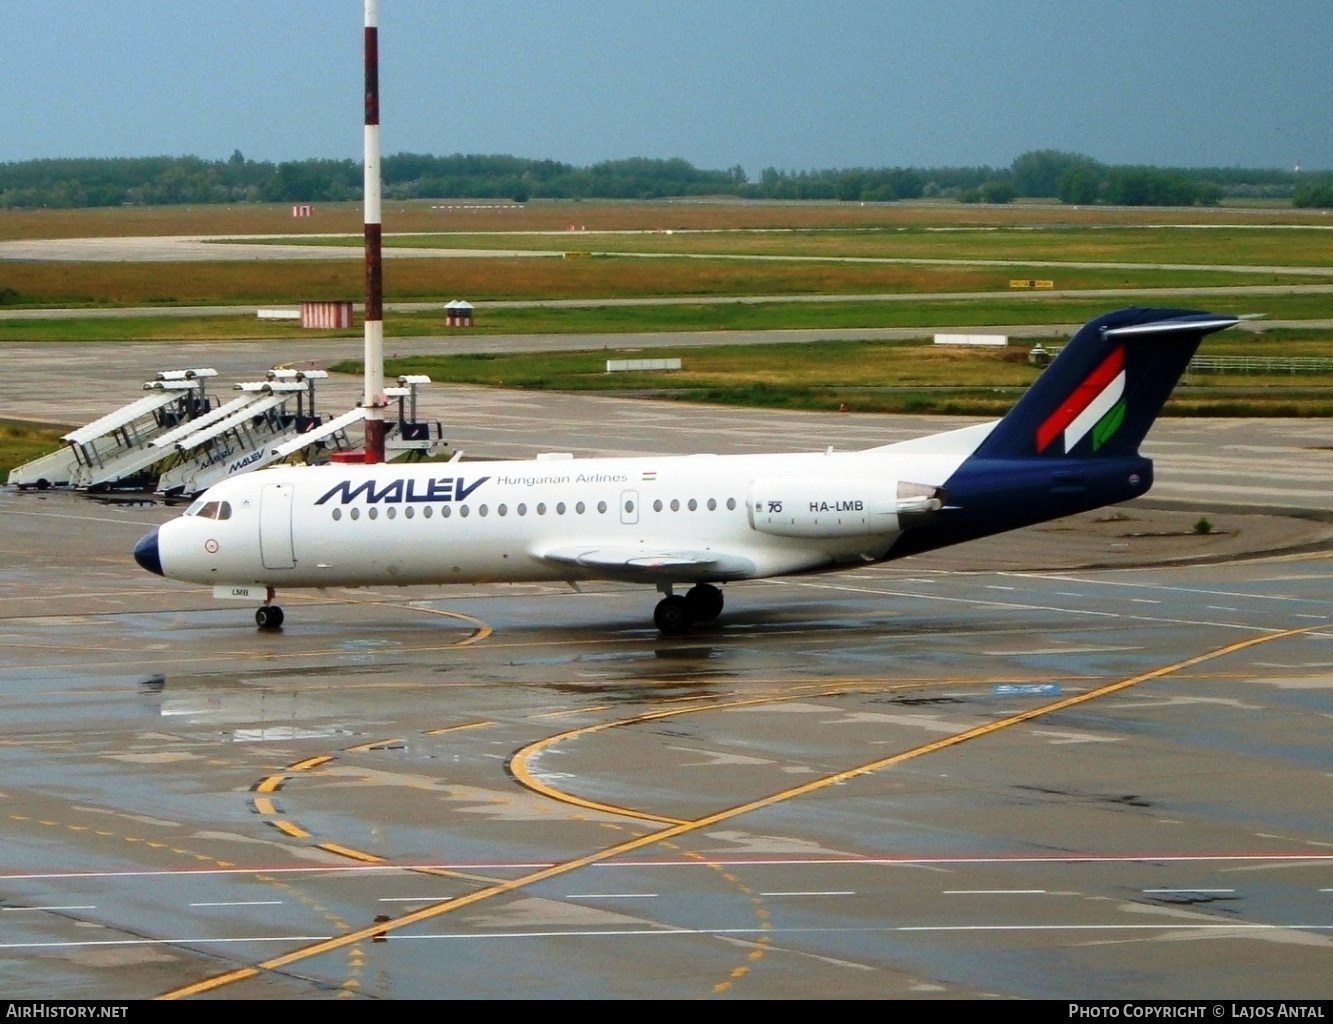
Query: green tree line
[[1070, 177]]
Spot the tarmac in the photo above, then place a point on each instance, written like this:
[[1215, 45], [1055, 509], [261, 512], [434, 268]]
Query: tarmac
[[1087, 760]]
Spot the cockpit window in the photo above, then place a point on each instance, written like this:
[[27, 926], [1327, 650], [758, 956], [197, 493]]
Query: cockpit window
[[210, 509]]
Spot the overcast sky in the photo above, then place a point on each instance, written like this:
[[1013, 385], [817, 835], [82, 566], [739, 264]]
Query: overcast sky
[[792, 84]]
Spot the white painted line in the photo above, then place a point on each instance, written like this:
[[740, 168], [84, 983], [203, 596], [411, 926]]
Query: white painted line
[[415, 899], [1143, 600], [12, 910], [1186, 890], [1160, 586], [994, 892], [1173, 926], [830, 892], [612, 896], [301, 870], [1087, 859], [1054, 609], [910, 595], [138, 523], [1058, 650], [1230, 927], [1219, 608], [242, 903]]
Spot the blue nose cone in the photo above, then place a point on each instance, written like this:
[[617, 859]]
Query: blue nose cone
[[145, 552]]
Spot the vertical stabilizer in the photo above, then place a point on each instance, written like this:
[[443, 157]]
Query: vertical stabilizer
[[1106, 387], [1072, 442]]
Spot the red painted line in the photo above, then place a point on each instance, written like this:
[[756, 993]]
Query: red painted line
[[740, 862]]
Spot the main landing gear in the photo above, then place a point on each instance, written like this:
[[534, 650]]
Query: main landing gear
[[268, 615], [676, 613]]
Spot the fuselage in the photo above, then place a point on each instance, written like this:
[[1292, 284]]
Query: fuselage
[[1070, 444], [740, 516]]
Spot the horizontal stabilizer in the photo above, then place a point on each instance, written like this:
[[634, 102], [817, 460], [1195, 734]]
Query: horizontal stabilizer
[[1202, 324]]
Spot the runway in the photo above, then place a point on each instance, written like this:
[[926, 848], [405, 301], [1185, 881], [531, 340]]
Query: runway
[[1087, 760]]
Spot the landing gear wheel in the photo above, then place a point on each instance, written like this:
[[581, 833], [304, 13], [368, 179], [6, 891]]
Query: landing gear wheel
[[705, 601], [672, 615], [268, 616]]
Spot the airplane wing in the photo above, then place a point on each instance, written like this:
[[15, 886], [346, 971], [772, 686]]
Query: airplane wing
[[644, 565]]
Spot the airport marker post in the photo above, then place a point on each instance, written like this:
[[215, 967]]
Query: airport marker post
[[374, 399]]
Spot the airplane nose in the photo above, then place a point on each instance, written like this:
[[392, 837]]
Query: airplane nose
[[145, 552]]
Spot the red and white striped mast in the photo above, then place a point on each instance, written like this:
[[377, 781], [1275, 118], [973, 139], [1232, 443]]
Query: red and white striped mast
[[374, 400]]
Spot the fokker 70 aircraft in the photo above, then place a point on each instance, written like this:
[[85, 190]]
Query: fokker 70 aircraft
[[1070, 444]]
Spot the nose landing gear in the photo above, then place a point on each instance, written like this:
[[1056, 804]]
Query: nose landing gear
[[268, 615]]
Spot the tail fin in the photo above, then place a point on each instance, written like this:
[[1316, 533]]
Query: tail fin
[[1103, 391], [1072, 442]]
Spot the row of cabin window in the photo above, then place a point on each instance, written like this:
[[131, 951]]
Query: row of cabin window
[[391, 511], [692, 505]]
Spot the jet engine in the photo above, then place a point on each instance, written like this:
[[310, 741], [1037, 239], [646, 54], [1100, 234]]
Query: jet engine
[[838, 506]]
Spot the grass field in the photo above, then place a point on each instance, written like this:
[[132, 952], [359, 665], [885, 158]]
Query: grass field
[[1064, 243], [249, 283], [894, 376], [730, 316], [743, 250], [600, 215], [797, 249], [21, 442]]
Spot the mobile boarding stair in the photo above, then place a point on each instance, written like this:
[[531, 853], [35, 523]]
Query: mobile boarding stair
[[311, 445], [420, 439], [241, 435], [417, 439], [113, 451]]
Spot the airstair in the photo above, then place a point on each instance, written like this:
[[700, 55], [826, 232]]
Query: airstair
[[242, 435], [110, 451], [311, 444], [407, 436], [420, 439], [178, 441]]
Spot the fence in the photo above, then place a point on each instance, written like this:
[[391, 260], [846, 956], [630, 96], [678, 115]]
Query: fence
[[1251, 364], [1260, 364]]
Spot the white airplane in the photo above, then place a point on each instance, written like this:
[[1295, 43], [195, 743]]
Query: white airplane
[[1070, 444]]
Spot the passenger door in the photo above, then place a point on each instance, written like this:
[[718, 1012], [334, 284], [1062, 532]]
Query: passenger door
[[275, 526]]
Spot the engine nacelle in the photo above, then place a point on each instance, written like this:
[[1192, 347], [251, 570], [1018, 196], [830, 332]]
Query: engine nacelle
[[838, 506]]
